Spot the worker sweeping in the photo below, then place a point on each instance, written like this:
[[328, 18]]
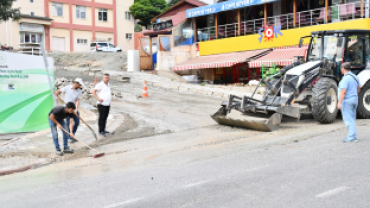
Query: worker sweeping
[[56, 119], [73, 93]]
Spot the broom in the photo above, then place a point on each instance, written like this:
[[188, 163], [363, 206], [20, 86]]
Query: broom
[[100, 154]]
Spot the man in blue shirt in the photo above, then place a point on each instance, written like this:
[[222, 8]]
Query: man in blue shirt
[[348, 90]]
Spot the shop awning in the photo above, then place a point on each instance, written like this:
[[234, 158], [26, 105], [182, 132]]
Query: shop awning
[[221, 60], [282, 56]]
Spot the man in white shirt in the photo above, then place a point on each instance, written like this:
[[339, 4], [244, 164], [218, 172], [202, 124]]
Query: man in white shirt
[[103, 95], [73, 93]]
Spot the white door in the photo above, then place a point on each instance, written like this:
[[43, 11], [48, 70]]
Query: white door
[[58, 44]]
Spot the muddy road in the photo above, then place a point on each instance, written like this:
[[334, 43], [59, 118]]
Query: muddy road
[[170, 153]]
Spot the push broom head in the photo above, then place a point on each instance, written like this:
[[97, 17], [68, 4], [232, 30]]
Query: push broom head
[[99, 155]]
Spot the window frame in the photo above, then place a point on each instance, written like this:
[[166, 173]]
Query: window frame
[[29, 35], [128, 15], [82, 41], [110, 44], [101, 45], [56, 6], [101, 13], [79, 11], [128, 35]]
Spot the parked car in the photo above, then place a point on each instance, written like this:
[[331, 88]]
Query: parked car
[[104, 47]]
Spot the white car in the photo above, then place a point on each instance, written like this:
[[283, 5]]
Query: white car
[[104, 47]]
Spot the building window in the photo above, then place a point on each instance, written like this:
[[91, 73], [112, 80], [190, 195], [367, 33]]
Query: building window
[[81, 41], [103, 15], [27, 37], [32, 13], [128, 36], [57, 9], [128, 15], [81, 12]]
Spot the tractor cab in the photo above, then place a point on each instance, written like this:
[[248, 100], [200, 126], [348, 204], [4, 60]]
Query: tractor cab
[[340, 46]]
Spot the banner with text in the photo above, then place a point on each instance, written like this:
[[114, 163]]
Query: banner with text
[[25, 94], [223, 6]]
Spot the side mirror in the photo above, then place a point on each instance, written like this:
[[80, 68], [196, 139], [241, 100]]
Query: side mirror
[[340, 42], [300, 43]]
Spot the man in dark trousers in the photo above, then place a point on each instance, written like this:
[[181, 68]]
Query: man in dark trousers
[[56, 119], [103, 95], [348, 90]]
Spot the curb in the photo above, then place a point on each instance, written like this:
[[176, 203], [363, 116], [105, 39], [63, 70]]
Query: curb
[[8, 172]]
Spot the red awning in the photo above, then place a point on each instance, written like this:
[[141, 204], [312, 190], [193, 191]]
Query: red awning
[[218, 61], [282, 56]]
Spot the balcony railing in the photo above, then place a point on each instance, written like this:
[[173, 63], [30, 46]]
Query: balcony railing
[[336, 13]]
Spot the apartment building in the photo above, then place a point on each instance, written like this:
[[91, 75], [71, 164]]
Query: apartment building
[[70, 25]]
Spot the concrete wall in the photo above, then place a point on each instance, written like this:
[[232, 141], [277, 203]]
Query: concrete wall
[[62, 33], [109, 23], [10, 35], [79, 21], [37, 7], [82, 34], [137, 37], [10, 32], [177, 55], [64, 19], [107, 1], [125, 26], [106, 36]]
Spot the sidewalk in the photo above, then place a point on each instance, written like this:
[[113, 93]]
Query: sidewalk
[[37, 149]]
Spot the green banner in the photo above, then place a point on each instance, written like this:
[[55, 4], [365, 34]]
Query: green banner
[[25, 94]]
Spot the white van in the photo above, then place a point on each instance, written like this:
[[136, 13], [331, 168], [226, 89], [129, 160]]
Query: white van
[[104, 47]]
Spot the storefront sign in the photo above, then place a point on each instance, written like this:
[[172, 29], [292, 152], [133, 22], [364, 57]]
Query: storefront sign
[[223, 6], [162, 25], [25, 93], [32, 27], [290, 37], [269, 33]]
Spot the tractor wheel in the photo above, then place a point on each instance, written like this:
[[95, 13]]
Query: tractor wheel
[[363, 109], [325, 100]]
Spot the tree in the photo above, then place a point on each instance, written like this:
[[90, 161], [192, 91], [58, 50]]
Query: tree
[[145, 10], [7, 12], [173, 2], [138, 28]]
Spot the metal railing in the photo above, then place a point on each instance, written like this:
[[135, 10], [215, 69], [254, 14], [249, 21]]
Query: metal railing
[[206, 34], [336, 13], [30, 51]]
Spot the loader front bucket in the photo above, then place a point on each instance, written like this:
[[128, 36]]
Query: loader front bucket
[[257, 122]]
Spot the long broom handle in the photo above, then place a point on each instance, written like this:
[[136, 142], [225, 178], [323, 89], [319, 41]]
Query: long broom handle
[[80, 140]]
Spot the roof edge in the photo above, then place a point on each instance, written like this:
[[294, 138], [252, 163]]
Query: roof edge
[[174, 6]]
